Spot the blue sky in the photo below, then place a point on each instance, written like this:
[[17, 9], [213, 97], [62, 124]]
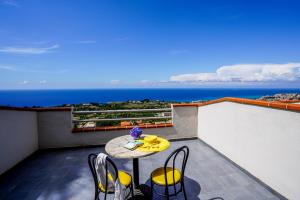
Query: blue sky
[[107, 43]]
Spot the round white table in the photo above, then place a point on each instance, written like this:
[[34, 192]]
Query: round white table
[[116, 149]]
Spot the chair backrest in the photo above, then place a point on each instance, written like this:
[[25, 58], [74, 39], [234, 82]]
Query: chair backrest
[[184, 150], [109, 165]]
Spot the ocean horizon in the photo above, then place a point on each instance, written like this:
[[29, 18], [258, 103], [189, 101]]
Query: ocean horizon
[[58, 97]]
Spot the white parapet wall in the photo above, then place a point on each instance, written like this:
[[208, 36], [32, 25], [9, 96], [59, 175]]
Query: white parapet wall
[[55, 129], [18, 137], [185, 121], [23, 131], [264, 141]]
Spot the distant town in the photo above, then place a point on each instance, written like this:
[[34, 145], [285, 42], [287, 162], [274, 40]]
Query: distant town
[[143, 104]]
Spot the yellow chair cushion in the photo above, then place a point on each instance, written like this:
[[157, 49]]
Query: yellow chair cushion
[[124, 178], [158, 176]]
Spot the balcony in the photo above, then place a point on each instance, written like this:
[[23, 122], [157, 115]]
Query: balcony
[[64, 174], [240, 149]]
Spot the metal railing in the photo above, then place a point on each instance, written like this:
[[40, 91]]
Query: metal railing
[[100, 118], [122, 111]]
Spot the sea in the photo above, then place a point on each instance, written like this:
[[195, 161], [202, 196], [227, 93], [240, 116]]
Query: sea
[[45, 98]]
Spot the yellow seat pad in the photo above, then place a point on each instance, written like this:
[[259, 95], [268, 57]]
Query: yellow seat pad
[[158, 176], [124, 178]]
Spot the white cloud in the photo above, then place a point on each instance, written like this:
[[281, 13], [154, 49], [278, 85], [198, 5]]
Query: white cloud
[[178, 51], [163, 81], [245, 73], [86, 42], [32, 70], [28, 50], [24, 82], [145, 81], [11, 3], [115, 82], [43, 82], [42, 42], [6, 67]]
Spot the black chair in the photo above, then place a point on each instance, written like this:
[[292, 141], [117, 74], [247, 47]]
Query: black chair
[[110, 168], [170, 176]]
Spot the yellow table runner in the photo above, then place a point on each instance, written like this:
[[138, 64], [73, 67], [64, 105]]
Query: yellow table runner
[[160, 144]]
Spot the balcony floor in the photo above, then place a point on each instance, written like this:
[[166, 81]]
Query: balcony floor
[[64, 174]]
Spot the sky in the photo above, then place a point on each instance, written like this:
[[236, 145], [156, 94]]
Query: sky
[[149, 43]]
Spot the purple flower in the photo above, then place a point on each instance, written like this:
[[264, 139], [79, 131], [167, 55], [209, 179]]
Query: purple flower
[[136, 132]]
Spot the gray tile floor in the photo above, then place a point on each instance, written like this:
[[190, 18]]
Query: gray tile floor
[[64, 174]]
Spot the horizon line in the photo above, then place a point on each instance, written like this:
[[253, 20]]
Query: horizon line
[[158, 88]]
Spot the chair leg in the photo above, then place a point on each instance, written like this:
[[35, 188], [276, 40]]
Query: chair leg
[[96, 194], [131, 188], [167, 191], [152, 188], [105, 194], [183, 188]]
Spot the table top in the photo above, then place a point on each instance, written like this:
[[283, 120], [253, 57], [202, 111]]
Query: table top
[[115, 148]]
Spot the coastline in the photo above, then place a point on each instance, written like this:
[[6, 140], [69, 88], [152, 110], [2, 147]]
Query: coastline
[[50, 98]]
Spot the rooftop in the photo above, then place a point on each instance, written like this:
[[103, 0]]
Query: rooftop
[[64, 174], [256, 152]]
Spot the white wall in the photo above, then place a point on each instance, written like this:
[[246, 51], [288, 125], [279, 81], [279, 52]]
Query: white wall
[[263, 141], [24, 132], [185, 120], [55, 129], [18, 137]]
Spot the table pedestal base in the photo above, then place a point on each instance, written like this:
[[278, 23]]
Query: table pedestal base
[[143, 192], [140, 191]]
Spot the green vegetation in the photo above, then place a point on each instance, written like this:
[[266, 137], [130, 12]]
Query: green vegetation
[[144, 104]]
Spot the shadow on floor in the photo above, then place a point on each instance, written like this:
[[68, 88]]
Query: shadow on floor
[[192, 188]]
